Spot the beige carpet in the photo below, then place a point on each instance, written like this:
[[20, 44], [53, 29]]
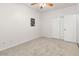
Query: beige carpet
[[43, 47]]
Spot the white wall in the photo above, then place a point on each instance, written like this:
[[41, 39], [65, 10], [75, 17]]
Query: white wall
[[15, 25], [52, 15]]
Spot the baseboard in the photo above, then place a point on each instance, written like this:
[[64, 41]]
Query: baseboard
[[58, 39], [51, 38], [13, 45]]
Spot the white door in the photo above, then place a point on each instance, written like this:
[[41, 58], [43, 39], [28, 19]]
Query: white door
[[55, 28], [58, 27], [61, 27], [70, 28]]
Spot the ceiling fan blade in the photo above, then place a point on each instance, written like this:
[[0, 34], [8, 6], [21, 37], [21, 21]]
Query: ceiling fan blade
[[50, 4], [33, 3]]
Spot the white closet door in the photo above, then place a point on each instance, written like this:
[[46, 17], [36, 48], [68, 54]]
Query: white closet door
[[61, 27], [70, 28], [55, 28]]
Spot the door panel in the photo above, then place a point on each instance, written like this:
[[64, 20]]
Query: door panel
[[70, 28], [61, 27], [55, 28]]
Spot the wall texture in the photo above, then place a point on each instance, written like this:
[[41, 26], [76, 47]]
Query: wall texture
[[15, 25]]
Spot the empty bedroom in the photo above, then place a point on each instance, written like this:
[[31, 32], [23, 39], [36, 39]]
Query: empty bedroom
[[39, 29]]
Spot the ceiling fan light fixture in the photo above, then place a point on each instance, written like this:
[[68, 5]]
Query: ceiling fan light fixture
[[42, 5]]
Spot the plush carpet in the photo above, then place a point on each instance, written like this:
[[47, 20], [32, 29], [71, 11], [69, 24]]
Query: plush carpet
[[43, 47]]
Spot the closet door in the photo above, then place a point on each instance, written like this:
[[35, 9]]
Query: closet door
[[58, 27], [70, 28], [55, 28], [61, 27]]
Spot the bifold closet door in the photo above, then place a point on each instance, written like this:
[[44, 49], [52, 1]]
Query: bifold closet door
[[61, 27], [55, 28], [70, 28], [58, 28]]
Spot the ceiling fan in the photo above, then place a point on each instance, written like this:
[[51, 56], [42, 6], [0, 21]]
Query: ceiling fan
[[42, 5]]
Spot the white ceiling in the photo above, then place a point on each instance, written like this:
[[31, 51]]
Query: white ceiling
[[56, 6]]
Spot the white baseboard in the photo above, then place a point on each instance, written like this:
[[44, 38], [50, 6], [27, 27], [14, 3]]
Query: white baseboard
[[16, 44]]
